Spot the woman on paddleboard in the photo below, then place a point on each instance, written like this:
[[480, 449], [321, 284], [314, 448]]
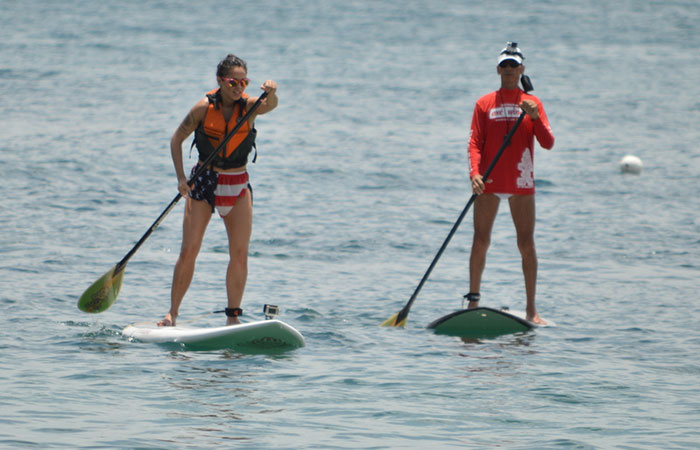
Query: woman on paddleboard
[[512, 177], [223, 186]]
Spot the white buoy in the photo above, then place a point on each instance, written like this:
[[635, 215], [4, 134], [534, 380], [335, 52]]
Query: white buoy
[[631, 164]]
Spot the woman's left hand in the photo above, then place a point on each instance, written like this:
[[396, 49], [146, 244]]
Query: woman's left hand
[[269, 86], [270, 102]]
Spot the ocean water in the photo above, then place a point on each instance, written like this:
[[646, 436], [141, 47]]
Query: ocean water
[[361, 172]]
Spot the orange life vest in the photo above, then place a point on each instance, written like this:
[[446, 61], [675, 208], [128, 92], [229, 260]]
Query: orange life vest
[[214, 128]]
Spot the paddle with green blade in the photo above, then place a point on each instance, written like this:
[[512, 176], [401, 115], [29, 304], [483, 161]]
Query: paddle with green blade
[[103, 292], [399, 319]]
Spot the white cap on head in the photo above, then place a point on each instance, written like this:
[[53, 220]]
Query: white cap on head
[[511, 51]]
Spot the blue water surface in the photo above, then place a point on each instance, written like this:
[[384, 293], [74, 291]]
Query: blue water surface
[[361, 172]]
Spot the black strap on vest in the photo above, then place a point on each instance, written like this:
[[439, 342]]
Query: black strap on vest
[[215, 99]]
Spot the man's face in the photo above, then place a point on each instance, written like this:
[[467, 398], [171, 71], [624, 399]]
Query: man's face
[[510, 71]]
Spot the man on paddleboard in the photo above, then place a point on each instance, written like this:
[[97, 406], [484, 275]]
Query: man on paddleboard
[[512, 177], [224, 186]]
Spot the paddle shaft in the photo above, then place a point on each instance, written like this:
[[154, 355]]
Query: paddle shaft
[[122, 264], [506, 141]]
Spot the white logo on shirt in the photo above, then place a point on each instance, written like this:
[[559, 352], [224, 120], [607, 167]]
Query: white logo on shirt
[[526, 180], [505, 112]]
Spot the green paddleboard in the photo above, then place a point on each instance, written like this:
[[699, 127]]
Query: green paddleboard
[[482, 322]]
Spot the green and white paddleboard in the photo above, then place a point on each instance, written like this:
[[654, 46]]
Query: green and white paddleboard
[[262, 336], [483, 322]]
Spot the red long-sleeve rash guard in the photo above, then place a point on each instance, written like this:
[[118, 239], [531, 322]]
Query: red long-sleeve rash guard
[[494, 115]]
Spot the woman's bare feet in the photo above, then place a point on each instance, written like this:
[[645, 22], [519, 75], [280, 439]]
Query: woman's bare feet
[[232, 321], [168, 321]]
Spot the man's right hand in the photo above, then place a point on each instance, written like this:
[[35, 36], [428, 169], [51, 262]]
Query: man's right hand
[[478, 184]]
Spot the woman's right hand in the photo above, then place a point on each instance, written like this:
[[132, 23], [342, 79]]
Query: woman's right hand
[[183, 187]]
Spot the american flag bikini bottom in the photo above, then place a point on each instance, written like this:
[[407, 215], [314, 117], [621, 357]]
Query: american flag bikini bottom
[[220, 189]]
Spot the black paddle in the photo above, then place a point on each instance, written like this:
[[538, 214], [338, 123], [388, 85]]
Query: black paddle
[[103, 292], [399, 319]]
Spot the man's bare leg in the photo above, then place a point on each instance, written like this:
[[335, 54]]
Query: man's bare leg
[[522, 209], [485, 210]]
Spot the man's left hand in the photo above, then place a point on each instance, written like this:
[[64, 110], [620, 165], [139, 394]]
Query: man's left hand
[[530, 107]]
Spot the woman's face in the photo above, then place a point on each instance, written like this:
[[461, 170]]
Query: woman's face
[[233, 84]]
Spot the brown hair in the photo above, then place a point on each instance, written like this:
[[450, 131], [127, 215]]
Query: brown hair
[[229, 62]]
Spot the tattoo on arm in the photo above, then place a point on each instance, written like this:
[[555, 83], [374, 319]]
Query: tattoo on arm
[[187, 125]]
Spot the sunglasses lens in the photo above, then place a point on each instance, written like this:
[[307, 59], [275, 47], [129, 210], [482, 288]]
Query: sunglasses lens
[[509, 63], [234, 82]]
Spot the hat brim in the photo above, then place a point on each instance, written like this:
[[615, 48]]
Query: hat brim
[[515, 58]]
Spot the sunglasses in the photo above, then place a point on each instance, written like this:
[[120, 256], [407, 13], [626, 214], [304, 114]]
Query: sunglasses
[[510, 63], [234, 82]]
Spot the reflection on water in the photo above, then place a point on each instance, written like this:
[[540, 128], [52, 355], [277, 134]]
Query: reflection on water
[[515, 340]]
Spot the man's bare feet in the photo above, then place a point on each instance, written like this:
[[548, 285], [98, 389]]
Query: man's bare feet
[[168, 321], [232, 321], [536, 319]]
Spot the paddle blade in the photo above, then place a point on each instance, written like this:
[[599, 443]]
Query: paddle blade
[[392, 322], [103, 292]]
